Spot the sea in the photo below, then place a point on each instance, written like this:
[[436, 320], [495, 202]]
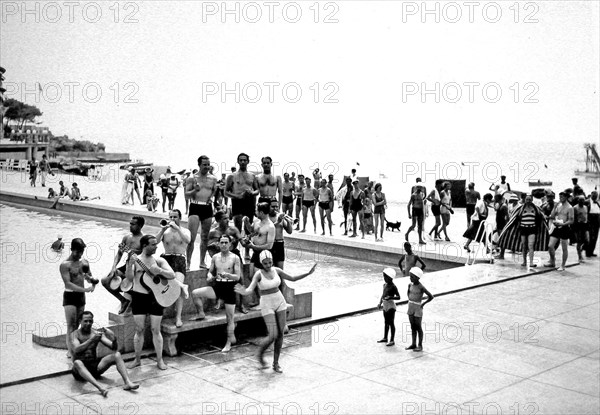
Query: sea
[[397, 165]]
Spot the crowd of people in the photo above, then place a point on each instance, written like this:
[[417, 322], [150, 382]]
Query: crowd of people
[[239, 221]]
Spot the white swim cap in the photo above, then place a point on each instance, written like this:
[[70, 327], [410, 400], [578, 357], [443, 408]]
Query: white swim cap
[[390, 272], [265, 255], [416, 272]]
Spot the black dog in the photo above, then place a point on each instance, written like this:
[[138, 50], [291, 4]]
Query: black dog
[[392, 225]]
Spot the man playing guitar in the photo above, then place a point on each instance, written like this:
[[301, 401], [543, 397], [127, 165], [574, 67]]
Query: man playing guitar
[[142, 300], [132, 241]]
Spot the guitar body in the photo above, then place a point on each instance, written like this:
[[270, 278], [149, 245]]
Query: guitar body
[[165, 291]]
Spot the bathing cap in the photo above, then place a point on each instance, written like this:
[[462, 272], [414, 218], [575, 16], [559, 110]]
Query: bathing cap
[[417, 272], [265, 255], [390, 272]]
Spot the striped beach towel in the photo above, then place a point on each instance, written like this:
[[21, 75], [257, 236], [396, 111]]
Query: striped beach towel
[[510, 238]]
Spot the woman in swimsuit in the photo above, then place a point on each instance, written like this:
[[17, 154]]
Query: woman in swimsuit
[[356, 207], [379, 204], [272, 304], [445, 209]]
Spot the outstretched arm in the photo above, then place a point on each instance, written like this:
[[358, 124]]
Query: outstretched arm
[[247, 291], [289, 277]]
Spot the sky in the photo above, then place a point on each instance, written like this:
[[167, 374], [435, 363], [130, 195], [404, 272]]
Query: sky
[[153, 73]]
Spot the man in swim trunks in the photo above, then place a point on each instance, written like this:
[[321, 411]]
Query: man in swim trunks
[[471, 196], [131, 241], [415, 212], [298, 194], [562, 217], [143, 302], [214, 243], [86, 364], [264, 234], [418, 183], [74, 271], [269, 186], [325, 204], [200, 190], [309, 195], [287, 200], [225, 271], [175, 239], [242, 188]]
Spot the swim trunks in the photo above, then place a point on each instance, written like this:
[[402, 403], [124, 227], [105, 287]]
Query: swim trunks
[[414, 310], [287, 199], [278, 252], [308, 203], [470, 210], [324, 205], [177, 262], [224, 291], [256, 259], [142, 304], [417, 212], [91, 366], [563, 232], [266, 199], [435, 209], [244, 207], [202, 211], [74, 299]]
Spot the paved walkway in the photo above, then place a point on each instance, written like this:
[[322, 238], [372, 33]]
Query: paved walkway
[[527, 346]]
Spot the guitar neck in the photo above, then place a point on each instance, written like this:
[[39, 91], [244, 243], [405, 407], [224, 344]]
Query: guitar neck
[[138, 261]]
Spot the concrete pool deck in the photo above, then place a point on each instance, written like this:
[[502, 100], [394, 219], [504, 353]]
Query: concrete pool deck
[[528, 345], [46, 368]]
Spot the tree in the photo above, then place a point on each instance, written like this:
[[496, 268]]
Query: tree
[[20, 113]]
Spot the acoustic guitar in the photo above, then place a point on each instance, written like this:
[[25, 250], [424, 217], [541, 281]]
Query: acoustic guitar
[[165, 291]]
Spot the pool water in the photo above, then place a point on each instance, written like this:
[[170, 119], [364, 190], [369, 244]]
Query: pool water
[[31, 287]]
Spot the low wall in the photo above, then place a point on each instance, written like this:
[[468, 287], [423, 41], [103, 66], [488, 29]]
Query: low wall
[[441, 257]]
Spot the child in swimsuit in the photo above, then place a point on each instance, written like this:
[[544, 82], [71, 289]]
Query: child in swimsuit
[[411, 260], [415, 307], [388, 304], [272, 304]]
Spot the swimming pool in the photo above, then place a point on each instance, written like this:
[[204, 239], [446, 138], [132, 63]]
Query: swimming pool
[[31, 286]]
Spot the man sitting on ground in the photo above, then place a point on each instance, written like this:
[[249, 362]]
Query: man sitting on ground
[[86, 365]]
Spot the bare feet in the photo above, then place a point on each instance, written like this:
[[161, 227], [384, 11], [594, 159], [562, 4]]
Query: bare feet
[[178, 323], [419, 349], [277, 368], [161, 365], [104, 392], [134, 364], [186, 291], [131, 387], [198, 317]]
